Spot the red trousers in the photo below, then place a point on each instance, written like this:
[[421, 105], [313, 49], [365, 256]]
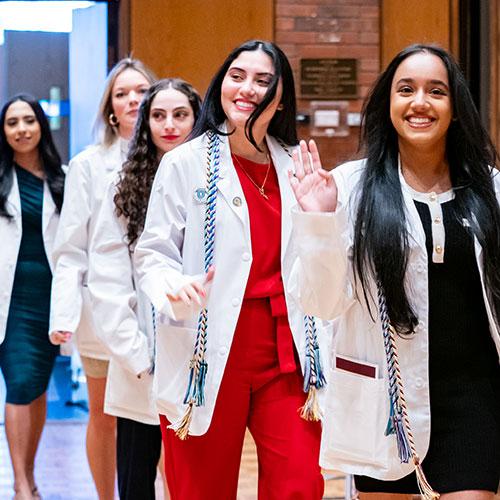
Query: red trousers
[[254, 394]]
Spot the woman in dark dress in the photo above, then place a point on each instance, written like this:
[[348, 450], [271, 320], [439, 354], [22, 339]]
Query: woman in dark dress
[[31, 194], [420, 220]]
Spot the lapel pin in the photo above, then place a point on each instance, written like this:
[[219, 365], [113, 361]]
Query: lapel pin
[[200, 195]]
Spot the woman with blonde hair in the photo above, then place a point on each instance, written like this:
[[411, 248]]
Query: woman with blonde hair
[[88, 177]]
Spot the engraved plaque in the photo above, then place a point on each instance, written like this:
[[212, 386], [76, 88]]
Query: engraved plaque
[[328, 78]]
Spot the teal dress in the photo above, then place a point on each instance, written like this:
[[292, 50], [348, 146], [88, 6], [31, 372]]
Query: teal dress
[[26, 355]]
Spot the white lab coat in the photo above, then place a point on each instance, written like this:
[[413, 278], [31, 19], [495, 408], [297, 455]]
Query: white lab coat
[[89, 174], [10, 236], [123, 318], [357, 407], [170, 252]]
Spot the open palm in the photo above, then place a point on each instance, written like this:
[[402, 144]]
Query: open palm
[[314, 187]]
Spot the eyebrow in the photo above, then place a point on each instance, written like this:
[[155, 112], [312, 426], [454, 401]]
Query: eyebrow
[[411, 80], [175, 109], [264, 73], [133, 87], [20, 117]]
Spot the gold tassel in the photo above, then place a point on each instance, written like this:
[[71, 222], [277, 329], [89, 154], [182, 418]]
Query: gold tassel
[[310, 411], [182, 432], [423, 485]]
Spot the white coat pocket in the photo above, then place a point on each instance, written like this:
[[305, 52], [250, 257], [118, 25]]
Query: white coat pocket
[[174, 350], [354, 414]]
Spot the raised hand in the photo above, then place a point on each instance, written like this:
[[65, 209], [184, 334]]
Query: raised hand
[[314, 187], [193, 292], [59, 337]]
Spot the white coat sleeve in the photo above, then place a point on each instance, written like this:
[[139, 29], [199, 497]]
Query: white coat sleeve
[[319, 279], [112, 290], [158, 254], [70, 249]]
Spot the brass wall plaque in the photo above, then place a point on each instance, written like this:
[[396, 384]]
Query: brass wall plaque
[[329, 78]]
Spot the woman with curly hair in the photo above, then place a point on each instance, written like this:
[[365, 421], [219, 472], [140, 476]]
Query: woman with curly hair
[[71, 314], [125, 318]]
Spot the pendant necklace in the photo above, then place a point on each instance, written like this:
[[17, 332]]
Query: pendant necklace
[[259, 188]]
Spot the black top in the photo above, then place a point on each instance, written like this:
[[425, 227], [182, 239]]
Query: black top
[[464, 372]]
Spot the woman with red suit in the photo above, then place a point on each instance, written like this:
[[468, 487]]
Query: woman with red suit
[[233, 350]]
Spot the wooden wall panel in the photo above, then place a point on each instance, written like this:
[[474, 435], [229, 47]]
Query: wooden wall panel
[[404, 23], [191, 38]]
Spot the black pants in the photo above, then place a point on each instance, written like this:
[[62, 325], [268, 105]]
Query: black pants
[[138, 448]]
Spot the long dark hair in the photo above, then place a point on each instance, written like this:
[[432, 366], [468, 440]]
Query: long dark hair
[[381, 247], [137, 174], [50, 159], [282, 124]]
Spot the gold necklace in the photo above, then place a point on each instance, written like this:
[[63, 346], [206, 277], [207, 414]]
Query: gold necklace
[[260, 188]]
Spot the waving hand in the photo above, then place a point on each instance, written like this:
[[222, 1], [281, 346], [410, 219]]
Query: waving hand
[[314, 187]]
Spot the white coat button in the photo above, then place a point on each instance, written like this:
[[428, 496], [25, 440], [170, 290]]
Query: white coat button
[[235, 302], [237, 201], [245, 257], [420, 268], [419, 383], [223, 351]]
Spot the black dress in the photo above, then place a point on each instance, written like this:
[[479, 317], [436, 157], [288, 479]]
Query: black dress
[[26, 355], [464, 372]]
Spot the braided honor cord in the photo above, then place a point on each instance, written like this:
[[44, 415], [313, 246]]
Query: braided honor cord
[[399, 423], [195, 393], [153, 319], [314, 378]]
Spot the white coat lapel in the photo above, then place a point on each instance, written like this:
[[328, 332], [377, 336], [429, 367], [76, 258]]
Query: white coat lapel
[[115, 157], [283, 163], [414, 224], [229, 184], [14, 199], [48, 209]]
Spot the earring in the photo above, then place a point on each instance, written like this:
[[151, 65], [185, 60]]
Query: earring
[[113, 120], [280, 107]]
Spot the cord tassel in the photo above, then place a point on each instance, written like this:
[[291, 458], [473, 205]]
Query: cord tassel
[[423, 485], [321, 380], [311, 411], [390, 429], [404, 450], [182, 431], [199, 394]]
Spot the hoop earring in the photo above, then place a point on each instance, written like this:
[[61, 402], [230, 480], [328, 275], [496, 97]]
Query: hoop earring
[[113, 120], [280, 107]]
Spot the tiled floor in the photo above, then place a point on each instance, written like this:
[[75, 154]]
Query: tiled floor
[[62, 471], [63, 474]]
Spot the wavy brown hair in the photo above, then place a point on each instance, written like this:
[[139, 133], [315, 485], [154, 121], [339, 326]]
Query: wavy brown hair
[[136, 177]]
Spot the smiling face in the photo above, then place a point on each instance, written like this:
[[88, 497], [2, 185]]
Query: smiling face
[[22, 129], [126, 95], [171, 119], [244, 87], [420, 106]]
